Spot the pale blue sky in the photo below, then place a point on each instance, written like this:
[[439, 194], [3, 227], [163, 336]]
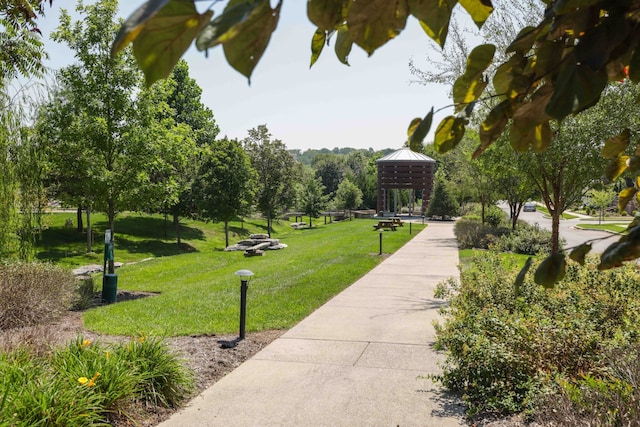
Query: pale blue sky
[[368, 104]]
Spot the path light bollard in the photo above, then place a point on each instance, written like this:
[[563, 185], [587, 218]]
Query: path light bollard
[[245, 276], [380, 231]]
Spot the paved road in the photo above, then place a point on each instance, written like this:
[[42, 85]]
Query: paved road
[[568, 231]]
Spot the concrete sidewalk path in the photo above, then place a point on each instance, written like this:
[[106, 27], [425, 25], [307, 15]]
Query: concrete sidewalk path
[[359, 360]]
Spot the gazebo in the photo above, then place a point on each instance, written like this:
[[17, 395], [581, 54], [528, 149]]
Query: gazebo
[[404, 169]]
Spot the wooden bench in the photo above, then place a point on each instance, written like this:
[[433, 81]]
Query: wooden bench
[[385, 224]]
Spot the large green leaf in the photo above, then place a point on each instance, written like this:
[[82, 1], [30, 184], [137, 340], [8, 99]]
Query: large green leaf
[[135, 23], [327, 15], [616, 168], [616, 145], [579, 253], [625, 197], [634, 65], [576, 87], [317, 44], [509, 79], [521, 275], [524, 40], [449, 133], [343, 46], [478, 9], [166, 36], [625, 249], [372, 23], [469, 87], [434, 17], [525, 134], [551, 270], [493, 125], [419, 129], [227, 25], [245, 49]]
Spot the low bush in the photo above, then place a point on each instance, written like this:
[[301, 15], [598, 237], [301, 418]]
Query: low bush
[[505, 352], [85, 384], [472, 234], [611, 398], [33, 293], [525, 239]]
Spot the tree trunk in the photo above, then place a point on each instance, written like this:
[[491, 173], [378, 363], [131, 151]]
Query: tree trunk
[[555, 231], [80, 227], [310, 223], [176, 225], [89, 231], [269, 224], [226, 234]]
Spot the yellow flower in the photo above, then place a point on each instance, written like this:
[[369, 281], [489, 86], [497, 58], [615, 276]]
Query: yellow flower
[[92, 381], [83, 380], [86, 343], [107, 354]]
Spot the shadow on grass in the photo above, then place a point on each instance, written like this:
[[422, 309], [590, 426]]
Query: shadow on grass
[[152, 228]]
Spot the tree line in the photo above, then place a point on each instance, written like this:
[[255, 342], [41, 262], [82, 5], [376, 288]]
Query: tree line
[[102, 141]]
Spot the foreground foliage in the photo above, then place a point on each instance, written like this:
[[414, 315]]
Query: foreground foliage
[[85, 383], [507, 353]]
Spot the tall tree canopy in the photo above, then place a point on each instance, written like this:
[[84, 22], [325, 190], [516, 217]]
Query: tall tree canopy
[[225, 182], [102, 92], [277, 171]]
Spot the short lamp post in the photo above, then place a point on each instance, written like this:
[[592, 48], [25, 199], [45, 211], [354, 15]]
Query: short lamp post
[[380, 231], [244, 275]]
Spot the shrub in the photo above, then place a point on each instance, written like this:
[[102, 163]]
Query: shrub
[[611, 398], [84, 293], [525, 239], [494, 216], [164, 380], [504, 352], [473, 234], [33, 293], [87, 384]]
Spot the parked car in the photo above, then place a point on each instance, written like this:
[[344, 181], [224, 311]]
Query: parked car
[[529, 207]]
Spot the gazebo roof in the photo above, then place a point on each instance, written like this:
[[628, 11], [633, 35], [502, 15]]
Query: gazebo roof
[[406, 155]]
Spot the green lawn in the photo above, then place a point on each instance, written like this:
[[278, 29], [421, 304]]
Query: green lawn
[[197, 292], [565, 215], [616, 228]]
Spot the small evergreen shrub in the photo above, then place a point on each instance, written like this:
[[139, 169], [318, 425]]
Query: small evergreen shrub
[[33, 293]]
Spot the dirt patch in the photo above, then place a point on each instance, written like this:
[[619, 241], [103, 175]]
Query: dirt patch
[[203, 354]]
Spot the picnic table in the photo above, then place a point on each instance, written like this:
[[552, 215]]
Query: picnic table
[[385, 223], [396, 220]]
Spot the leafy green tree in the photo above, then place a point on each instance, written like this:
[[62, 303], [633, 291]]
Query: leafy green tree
[[21, 48], [442, 202], [102, 93], [312, 197], [277, 172], [601, 199], [21, 186], [330, 168], [348, 196], [224, 185], [177, 125]]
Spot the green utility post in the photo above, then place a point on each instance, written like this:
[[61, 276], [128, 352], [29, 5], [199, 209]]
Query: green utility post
[[109, 281]]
